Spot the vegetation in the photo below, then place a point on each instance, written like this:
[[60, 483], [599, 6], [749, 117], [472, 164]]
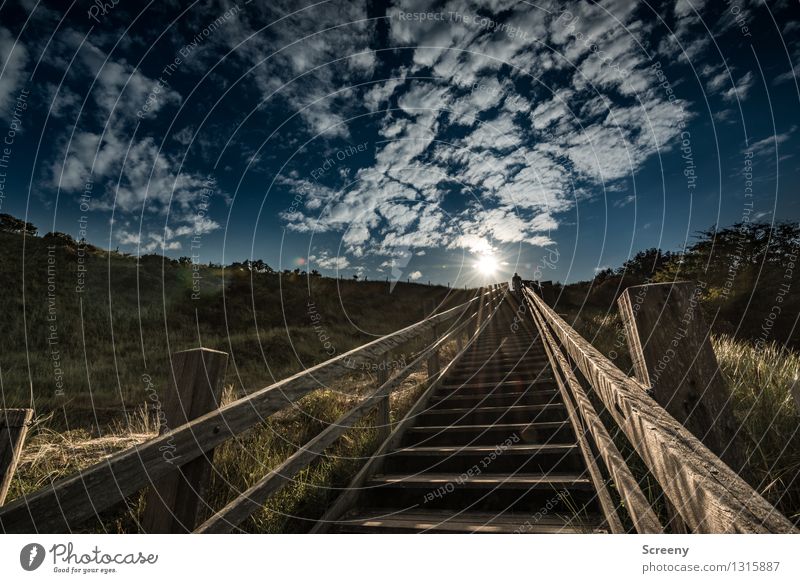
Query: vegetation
[[749, 270], [87, 342], [762, 379]]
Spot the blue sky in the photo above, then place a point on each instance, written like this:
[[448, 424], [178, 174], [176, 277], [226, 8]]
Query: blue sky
[[404, 139]]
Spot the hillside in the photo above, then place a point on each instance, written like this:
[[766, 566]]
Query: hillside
[[88, 332]]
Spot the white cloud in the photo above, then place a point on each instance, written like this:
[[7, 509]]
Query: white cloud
[[742, 89], [13, 56]]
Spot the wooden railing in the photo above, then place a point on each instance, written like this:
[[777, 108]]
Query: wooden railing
[[176, 465], [706, 493]]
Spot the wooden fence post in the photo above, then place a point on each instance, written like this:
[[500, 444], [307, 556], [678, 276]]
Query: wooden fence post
[[174, 504], [13, 429], [383, 420], [672, 354], [433, 360]]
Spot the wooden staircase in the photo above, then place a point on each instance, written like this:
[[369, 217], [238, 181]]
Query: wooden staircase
[[492, 452]]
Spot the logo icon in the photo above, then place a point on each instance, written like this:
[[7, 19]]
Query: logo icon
[[31, 556]]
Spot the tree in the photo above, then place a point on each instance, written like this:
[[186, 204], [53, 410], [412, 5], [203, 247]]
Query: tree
[[11, 224], [62, 238], [645, 263]]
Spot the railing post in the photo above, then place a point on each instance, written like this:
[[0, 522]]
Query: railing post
[[383, 419], [672, 354], [433, 360], [174, 503], [13, 430]]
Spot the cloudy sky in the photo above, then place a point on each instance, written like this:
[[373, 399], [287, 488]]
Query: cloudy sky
[[402, 139]]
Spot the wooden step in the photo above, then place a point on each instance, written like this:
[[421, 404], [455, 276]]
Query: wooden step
[[494, 398], [490, 481], [379, 520], [489, 434], [525, 449], [483, 414]]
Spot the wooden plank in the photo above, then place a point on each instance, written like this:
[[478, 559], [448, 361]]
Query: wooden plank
[[75, 498], [174, 503], [383, 416], [14, 425], [672, 354], [433, 361], [710, 496], [238, 510], [350, 495], [547, 481], [644, 519]]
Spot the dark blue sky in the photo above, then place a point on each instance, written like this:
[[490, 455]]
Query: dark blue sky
[[400, 140]]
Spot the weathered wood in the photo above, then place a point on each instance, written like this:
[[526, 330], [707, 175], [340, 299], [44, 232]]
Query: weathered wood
[[433, 361], [708, 494], [14, 425], [175, 502], [238, 510], [383, 413], [672, 354], [78, 497], [644, 519], [350, 495]]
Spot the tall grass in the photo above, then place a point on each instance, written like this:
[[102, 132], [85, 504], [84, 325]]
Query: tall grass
[[761, 382]]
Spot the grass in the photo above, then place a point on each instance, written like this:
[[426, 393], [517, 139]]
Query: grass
[[761, 381], [239, 463], [116, 336]]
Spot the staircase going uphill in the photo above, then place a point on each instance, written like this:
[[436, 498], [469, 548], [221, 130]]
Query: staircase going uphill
[[493, 451]]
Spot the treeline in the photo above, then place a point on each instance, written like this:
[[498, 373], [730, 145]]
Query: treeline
[[749, 273]]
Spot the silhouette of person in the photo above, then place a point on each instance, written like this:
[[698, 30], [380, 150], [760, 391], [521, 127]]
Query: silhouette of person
[[516, 283]]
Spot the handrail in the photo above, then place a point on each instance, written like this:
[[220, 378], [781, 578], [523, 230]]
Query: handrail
[[709, 496], [642, 515], [249, 501], [350, 495], [88, 492]]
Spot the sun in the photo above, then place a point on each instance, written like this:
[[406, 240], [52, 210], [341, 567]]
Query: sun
[[486, 264]]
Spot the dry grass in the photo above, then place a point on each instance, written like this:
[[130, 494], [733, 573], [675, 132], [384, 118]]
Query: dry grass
[[50, 454], [761, 382]]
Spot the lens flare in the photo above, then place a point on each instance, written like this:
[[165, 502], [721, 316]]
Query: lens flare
[[486, 264]]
